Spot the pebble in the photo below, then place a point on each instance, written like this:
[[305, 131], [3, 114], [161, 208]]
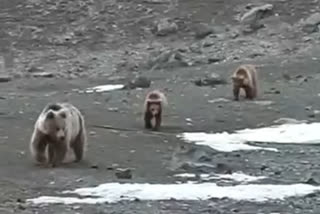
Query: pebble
[[123, 173]]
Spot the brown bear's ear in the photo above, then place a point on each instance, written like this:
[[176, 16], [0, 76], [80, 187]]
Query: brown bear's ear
[[63, 115], [50, 115]]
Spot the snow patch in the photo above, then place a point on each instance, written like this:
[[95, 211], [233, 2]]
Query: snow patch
[[115, 192], [286, 133], [104, 88], [236, 176], [185, 175]]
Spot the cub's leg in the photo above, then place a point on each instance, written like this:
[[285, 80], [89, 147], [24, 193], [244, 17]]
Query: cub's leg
[[147, 121], [249, 93], [78, 146], [51, 155], [157, 122], [38, 146], [236, 91], [58, 151]]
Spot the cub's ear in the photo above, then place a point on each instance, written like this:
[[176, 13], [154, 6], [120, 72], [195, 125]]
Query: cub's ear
[[63, 115], [50, 115]]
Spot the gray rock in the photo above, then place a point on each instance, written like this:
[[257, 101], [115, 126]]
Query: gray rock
[[210, 80], [311, 180], [251, 19], [170, 58], [202, 30], [223, 168], [157, 60], [157, 1], [165, 27], [311, 24], [5, 78], [138, 82], [94, 166], [43, 74], [256, 13], [34, 69], [123, 173], [196, 167], [214, 59]]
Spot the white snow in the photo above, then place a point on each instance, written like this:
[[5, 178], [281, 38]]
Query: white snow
[[185, 175], [236, 176], [115, 192], [285, 133], [104, 88]]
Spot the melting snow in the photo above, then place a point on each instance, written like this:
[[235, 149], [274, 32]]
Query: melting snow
[[285, 133], [185, 175], [104, 88], [115, 192], [236, 176]]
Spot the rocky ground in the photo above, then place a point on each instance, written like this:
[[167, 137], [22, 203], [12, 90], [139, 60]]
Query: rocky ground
[[188, 49]]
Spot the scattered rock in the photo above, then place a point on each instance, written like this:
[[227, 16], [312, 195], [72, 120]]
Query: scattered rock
[[286, 75], [123, 173], [157, 1], [273, 91], [138, 82], [277, 172], [161, 58], [21, 207], [202, 30], [311, 115], [94, 166], [19, 200], [76, 208], [308, 108], [113, 166], [113, 109], [263, 167], [210, 80], [34, 69], [5, 78], [116, 78], [196, 167], [223, 168], [256, 13], [43, 74], [170, 58], [248, 29], [301, 79], [251, 19], [256, 54], [214, 59], [311, 181], [311, 24], [79, 180], [165, 27]]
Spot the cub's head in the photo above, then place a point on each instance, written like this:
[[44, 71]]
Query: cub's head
[[240, 80], [55, 125], [154, 108]]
